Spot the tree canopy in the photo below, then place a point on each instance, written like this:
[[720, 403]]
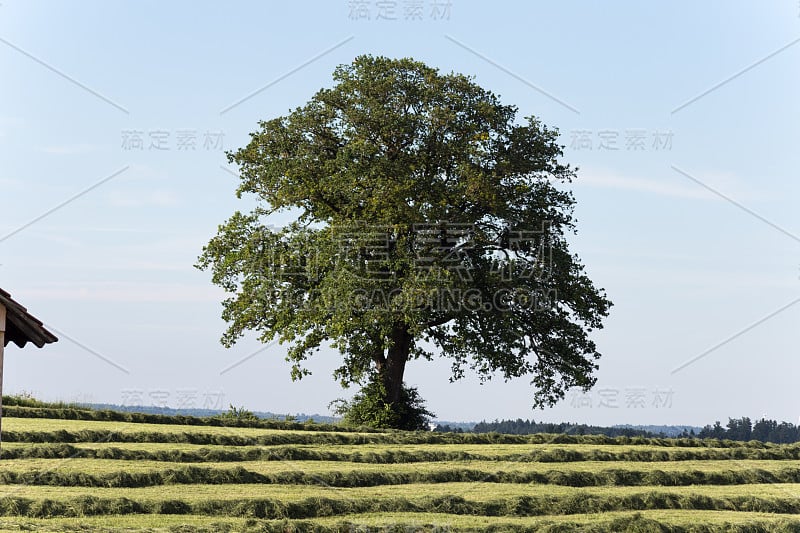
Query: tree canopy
[[427, 222]]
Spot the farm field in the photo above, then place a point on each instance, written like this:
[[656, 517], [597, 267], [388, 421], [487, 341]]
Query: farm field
[[61, 474]]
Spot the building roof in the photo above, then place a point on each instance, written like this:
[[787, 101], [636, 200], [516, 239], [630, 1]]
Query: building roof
[[21, 326]]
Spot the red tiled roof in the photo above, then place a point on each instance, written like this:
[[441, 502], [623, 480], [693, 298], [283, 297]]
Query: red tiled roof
[[21, 326]]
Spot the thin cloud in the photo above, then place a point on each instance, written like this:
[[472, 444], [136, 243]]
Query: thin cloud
[[125, 292], [102, 229], [661, 188], [695, 279], [7, 182], [155, 198], [669, 186], [70, 149], [120, 265]]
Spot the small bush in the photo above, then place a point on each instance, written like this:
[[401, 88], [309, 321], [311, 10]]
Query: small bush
[[240, 413], [370, 408]]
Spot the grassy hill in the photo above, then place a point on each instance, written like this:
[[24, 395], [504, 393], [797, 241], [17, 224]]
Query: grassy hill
[[69, 469]]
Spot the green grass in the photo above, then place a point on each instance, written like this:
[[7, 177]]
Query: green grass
[[101, 466], [27, 429], [474, 491], [50, 425], [207, 450], [65, 474], [671, 516], [126, 473], [410, 521]]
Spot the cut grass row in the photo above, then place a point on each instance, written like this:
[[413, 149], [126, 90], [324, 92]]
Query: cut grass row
[[654, 520], [103, 466], [111, 473], [58, 430], [479, 492], [479, 499], [677, 521], [184, 452]]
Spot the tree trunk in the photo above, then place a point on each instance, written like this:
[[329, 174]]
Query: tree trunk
[[395, 366]]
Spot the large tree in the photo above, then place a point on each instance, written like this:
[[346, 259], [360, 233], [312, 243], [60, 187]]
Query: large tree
[[427, 222]]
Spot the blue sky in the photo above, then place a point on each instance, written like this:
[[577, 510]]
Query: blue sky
[[690, 224]]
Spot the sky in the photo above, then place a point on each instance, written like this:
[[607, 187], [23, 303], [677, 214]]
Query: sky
[[683, 119]]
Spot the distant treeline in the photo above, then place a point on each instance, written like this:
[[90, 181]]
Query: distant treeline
[[737, 429], [528, 427], [743, 429]]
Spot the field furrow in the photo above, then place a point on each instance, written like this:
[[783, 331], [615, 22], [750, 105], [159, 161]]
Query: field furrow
[[71, 474]]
